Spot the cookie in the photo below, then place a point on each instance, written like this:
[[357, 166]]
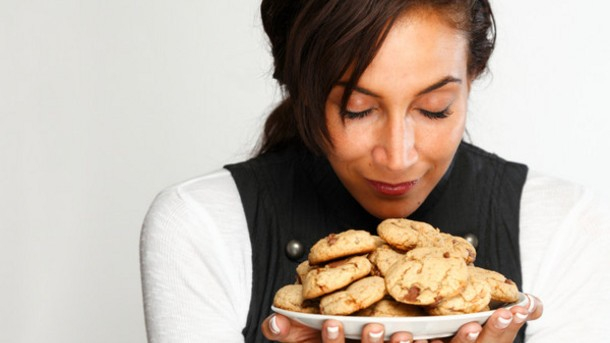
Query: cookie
[[474, 298], [378, 241], [391, 308], [302, 269], [359, 295], [426, 281], [347, 243], [384, 257], [458, 246], [405, 234], [334, 276], [290, 297], [502, 289], [420, 253]]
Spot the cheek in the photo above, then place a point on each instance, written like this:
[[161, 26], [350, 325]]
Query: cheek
[[350, 145], [352, 140], [440, 140]]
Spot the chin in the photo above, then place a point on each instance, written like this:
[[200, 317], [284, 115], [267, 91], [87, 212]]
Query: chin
[[390, 212]]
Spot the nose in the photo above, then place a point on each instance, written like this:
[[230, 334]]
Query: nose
[[396, 150]]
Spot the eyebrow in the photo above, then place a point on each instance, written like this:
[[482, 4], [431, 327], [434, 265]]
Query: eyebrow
[[359, 89], [439, 84], [433, 87]]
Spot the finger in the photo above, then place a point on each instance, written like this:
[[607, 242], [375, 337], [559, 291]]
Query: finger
[[531, 311], [271, 329], [401, 337], [279, 328], [500, 327], [468, 333], [520, 316], [373, 333], [332, 332], [534, 307]]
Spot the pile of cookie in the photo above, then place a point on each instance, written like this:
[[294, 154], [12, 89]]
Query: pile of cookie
[[409, 269]]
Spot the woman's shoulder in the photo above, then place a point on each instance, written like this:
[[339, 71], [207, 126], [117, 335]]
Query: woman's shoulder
[[544, 187], [211, 198], [553, 200], [201, 190]]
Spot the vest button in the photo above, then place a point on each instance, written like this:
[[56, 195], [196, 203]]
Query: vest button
[[294, 250], [472, 239]]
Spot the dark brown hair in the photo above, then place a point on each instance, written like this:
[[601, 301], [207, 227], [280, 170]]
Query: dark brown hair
[[315, 42]]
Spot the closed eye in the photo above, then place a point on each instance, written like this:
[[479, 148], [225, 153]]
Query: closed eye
[[436, 115], [356, 115]]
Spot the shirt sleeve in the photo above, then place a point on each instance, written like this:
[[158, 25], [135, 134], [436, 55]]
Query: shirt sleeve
[[196, 266], [565, 240]]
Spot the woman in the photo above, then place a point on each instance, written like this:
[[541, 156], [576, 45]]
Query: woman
[[371, 127]]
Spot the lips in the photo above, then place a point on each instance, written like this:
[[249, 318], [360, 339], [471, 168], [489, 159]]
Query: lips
[[392, 189]]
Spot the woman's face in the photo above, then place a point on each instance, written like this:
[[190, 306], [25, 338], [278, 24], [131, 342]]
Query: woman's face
[[405, 119]]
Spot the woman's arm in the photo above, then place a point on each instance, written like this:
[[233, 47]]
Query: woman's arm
[[565, 239], [196, 263]]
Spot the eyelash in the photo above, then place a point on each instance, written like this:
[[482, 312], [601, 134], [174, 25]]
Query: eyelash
[[356, 115], [436, 115], [429, 114]]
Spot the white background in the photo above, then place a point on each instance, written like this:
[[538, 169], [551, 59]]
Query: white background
[[104, 103]]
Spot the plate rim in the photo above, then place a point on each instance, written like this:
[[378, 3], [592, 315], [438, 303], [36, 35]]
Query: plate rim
[[357, 320]]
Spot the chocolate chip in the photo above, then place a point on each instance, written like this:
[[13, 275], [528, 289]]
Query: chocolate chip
[[413, 294]]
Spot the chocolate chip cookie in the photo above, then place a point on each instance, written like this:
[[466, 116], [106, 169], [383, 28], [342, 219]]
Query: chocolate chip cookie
[[427, 280], [359, 295], [333, 276], [347, 243]]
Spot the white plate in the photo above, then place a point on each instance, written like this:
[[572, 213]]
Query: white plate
[[421, 327]]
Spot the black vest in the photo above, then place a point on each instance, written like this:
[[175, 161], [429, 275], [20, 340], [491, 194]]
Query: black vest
[[294, 195]]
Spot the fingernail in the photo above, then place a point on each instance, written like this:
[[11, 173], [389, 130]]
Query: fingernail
[[503, 323], [405, 341], [520, 317], [375, 336], [273, 326], [472, 336], [532, 305], [332, 332]]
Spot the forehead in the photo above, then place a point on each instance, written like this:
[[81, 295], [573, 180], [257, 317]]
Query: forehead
[[420, 48]]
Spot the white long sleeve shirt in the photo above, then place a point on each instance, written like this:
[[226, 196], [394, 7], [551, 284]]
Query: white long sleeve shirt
[[197, 269]]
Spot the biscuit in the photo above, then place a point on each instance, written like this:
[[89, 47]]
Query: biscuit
[[405, 234], [502, 289], [420, 253], [359, 295], [426, 281], [391, 308], [474, 298], [334, 276], [459, 246], [378, 241], [384, 257], [334, 246], [422, 271], [290, 297], [302, 269]]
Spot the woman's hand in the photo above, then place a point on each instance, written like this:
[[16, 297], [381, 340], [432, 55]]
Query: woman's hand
[[279, 328], [502, 326]]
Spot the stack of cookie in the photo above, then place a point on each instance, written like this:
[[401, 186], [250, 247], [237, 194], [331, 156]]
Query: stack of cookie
[[410, 269]]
